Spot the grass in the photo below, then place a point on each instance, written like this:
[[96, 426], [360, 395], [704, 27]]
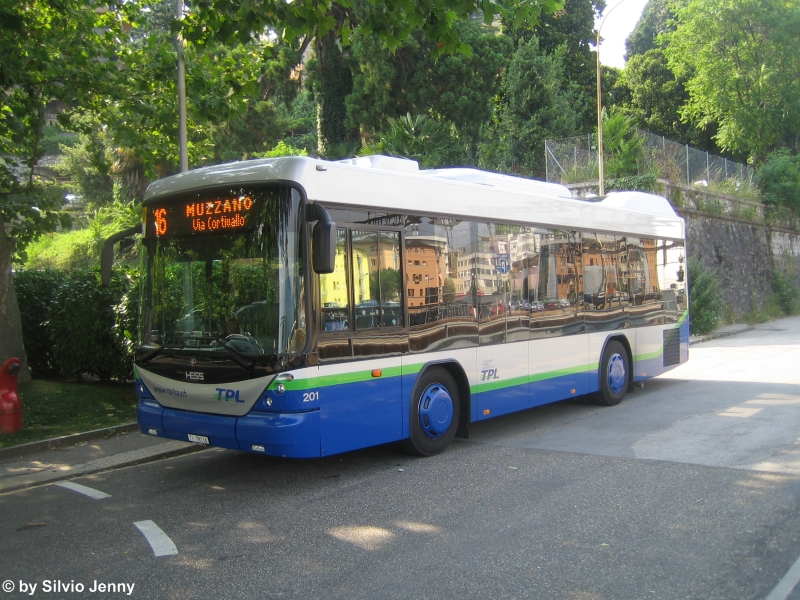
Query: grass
[[56, 408]]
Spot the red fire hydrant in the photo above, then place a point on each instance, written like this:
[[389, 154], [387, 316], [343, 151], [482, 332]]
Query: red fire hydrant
[[10, 406]]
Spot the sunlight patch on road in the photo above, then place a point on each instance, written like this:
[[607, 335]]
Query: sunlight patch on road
[[365, 537], [418, 527], [740, 412], [775, 400]]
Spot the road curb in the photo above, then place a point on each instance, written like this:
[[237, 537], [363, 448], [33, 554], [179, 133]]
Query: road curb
[[65, 440], [714, 335], [107, 463]]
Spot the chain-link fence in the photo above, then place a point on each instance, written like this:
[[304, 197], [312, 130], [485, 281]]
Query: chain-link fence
[[574, 160]]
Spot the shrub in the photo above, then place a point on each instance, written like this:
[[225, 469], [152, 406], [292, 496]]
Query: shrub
[[35, 292], [785, 292], [82, 327], [72, 325], [779, 179], [705, 300], [642, 183]]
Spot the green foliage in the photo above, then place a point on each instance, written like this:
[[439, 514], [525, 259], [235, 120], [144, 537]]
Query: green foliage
[[456, 88], [392, 22], [655, 98], [643, 183], [82, 327], [622, 145], [52, 51], [705, 299], [54, 139], [655, 20], [536, 103], [87, 163], [740, 59], [786, 292], [72, 325], [35, 293], [573, 27], [282, 149], [779, 179], [80, 248], [420, 138]]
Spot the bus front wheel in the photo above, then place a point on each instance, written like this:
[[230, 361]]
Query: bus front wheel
[[614, 374], [434, 414]]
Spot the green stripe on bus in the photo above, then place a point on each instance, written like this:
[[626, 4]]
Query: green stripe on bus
[[660, 351], [338, 379], [507, 383]]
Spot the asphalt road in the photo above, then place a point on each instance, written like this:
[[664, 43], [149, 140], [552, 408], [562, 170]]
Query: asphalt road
[[688, 489]]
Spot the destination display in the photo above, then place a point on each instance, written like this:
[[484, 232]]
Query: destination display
[[229, 212]]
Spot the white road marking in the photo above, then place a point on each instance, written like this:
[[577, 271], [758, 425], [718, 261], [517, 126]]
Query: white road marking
[[158, 540], [787, 584], [82, 489]]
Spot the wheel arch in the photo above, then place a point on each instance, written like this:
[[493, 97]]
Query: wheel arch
[[465, 396]]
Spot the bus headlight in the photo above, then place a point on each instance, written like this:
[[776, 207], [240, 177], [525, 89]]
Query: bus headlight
[[280, 388]]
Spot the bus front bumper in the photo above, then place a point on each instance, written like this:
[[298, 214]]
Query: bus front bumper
[[291, 435]]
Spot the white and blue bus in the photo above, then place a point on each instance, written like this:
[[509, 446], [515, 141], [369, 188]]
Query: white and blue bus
[[301, 308]]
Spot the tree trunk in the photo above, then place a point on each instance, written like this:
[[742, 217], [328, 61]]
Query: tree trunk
[[335, 83], [11, 345]]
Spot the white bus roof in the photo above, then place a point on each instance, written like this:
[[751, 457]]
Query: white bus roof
[[396, 184]]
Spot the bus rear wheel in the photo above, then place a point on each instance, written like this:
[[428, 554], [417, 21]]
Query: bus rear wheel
[[434, 414], [614, 374]]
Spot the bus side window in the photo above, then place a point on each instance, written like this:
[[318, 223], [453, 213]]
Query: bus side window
[[333, 289]]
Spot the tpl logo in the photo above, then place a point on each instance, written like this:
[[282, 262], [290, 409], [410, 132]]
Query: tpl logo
[[487, 374], [228, 395]]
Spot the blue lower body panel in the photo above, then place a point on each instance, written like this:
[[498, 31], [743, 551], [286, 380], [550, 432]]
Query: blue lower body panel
[[293, 435]]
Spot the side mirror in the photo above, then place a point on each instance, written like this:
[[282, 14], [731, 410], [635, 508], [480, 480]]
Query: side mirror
[[324, 240], [107, 253]]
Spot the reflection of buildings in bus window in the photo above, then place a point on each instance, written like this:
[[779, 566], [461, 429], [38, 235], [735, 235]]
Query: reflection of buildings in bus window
[[333, 286], [425, 270]]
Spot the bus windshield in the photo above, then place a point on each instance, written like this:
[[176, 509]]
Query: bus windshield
[[225, 273]]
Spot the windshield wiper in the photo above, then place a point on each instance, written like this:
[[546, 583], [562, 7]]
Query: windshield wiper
[[155, 352], [237, 356]]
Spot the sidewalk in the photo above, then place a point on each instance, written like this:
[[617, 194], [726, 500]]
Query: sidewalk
[[42, 466]]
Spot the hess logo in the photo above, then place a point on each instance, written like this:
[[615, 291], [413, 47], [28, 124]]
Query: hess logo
[[194, 375], [228, 395]]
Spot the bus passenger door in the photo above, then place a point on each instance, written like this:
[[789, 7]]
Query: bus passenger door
[[362, 338]]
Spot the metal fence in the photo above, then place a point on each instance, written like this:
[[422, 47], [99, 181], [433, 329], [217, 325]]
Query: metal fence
[[574, 160]]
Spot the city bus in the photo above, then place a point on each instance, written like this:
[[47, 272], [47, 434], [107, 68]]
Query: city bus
[[297, 307]]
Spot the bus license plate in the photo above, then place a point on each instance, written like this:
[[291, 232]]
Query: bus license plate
[[198, 439]]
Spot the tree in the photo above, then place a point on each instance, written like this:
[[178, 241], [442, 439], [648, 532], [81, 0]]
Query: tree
[[536, 103], [656, 98], [52, 51], [740, 59], [573, 27], [332, 25], [420, 138], [457, 89], [653, 22]]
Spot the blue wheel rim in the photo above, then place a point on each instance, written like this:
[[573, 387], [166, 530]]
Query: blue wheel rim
[[616, 373], [435, 411]]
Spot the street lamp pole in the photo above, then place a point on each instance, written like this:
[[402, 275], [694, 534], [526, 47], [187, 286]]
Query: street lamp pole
[[600, 105], [182, 134]]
